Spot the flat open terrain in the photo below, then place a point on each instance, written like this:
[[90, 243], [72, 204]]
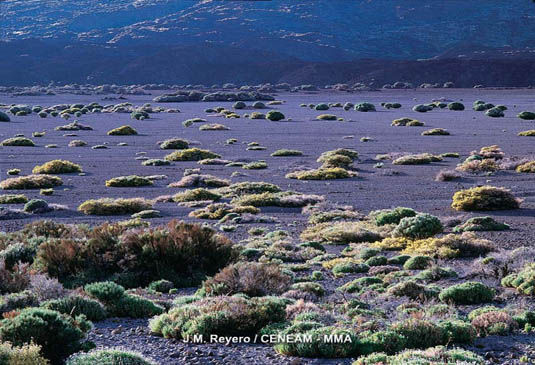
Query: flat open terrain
[[379, 184]]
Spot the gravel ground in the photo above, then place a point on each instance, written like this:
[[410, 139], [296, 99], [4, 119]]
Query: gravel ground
[[374, 188]]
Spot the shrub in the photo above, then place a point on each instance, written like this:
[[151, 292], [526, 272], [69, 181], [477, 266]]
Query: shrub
[[174, 144], [239, 105], [434, 355], [475, 165], [528, 167], [193, 180], [108, 206], [327, 117], [410, 289], [481, 224], [155, 162], [213, 127], [224, 316], [257, 165], [456, 106], [417, 159], [77, 143], [321, 106], [418, 263], [524, 281], [392, 216], [285, 152], [321, 174], [526, 115], [494, 323], [220, 210], [13, 171], [17, 142], [365, 107], [13, 199], [57, 167], [31, 182], [36, 206], [128, 181], [58, 335], [450, 246], [4, 117], [530, 133], [26, 354], [109, 357], [259, 105], [436, 132], [470, 292], [420, 334], [75, 305], [495, 112], [250, 278], [198, 194], [447, 175], [161, 286], [124, 130], [275, 116], [191, 154], [409, 122], [421, 226], [422, 108], [318, 347], [485, 198], [341, 232]]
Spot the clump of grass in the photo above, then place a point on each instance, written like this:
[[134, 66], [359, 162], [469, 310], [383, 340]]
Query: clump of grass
[[57, 167], [128, 181], [327, 117], [495, 113], [481, 224], [17, 142], [485, 198], [526, 115], [285, 152], [107, 206], [280, 199], [530, 133], [449, 246], [420, 226], [31, 182], [198, 194], [528, 167], [523, 281], [189, 122], [13, 172], [469, 292], [124, 130], [74, 126], [321, 174], [447, 175], [436, 132], [77, 143], [220, 210], [257, 115], [13, 199], [475, 165], [155, 162], [456, 106], [422, 108], [365, 107], [257, 165], [274, 115], [193, 180], [417, 159], [174, 144], [213, 127], [191, 154], [409, 122]]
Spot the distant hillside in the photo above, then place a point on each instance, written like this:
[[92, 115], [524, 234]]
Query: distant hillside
[[209, 41]]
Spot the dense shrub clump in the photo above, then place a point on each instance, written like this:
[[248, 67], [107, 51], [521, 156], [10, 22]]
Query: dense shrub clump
[[109, 357], [107, 206], [128, 181], [470, 292], [485, 198], [57, 167], [124, 130], [31, 182], [191, 154], [17, 142], [420, 226]]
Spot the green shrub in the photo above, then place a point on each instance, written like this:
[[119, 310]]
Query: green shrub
[[275, 116], [239, 105], [436, 132], [456, 106], [257, 165], [495, 112], [409, 122], [4, 117], [31, 182], [109, 357], [174, 144], [420, 334], [191, 154], [75, 305], [223, 316], [26, 354], [392, 216], [128, 181], [365, 107], [107, 206], [421, 226], [470, 292], [124, 130], [321, 106], [388, 342], [321, 174], [418, 263], [526, 115], [161, 286], [435, 355], [198, 194], [57, 167], [285, 152], [485, 198], [13, 199], [494, 323], [417, 159], [13, 171], [189, 122], [58, 335], [327, 117], [36, 206], [524, 281], [106, 291], [481, 224], [155, 162], [17, 142], [422, 108]]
